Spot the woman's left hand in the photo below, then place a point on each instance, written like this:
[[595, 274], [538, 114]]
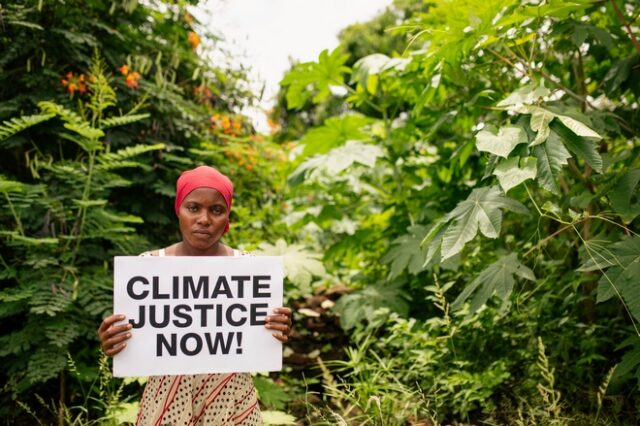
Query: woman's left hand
[[280, 320]]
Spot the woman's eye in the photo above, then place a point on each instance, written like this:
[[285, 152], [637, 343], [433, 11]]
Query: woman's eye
[[217, 210], [192, 209]]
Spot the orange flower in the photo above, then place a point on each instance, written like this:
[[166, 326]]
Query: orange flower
[[194, 39], [124, 70], [73, 83], [132, 80]]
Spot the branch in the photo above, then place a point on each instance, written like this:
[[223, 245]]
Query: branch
[[634, 40]]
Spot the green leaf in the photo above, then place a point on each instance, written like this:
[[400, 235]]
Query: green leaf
[[336, 161], [550, 156], [334, 132], [502, 142], [362, 304], [121, 121], [270, 394], [480, 210], [526, 95], [406, 253], [622, 194], [540, 119], [16, 125], [300, 265], [510, 174], [622, 264], [583, 148], [629, 361], [578, 127], [328, 71], [496, 278], [277, 418]]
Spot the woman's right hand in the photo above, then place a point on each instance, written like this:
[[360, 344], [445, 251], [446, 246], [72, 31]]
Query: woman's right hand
[[112, 337]]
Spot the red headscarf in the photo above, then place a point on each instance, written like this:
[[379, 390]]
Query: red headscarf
[[204, 177]]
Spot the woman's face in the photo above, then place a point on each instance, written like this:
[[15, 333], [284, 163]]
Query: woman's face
[[203, 216]]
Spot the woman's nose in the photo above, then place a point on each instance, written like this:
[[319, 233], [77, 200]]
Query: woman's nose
[[203, 218]]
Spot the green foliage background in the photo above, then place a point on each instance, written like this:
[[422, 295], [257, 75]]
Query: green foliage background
[[459, 176]]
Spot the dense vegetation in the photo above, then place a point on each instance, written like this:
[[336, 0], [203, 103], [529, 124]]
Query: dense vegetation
[[458, 223]]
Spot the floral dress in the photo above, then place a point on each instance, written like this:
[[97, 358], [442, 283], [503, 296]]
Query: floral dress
[[199, 399]]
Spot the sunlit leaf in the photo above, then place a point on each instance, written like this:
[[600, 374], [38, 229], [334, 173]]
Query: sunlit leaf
[[502, 142], [498, 278], [510, 174]]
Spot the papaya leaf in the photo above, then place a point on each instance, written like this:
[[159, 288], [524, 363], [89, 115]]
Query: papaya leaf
[[526, 95], [584, 148], [337, 161], [510, 174], [502, 142], [327, 71], [481, 210], [498, 278], [622, 194], [551, 156], [622, 263], [362, 304], [300, 265], [334, 132], [406, 253]]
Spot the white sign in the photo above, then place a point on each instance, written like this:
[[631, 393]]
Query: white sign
[[197, 315]]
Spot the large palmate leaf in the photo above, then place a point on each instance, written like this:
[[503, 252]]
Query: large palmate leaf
[[337, 161], [300, 265], [334, 132], [622, 264], [499, 278], [406, 253], [583, 147], [551, 156], [481, 210], [361, 305], [510, 174], [525, 95], [502, 142], [328, 71], [623, 193]]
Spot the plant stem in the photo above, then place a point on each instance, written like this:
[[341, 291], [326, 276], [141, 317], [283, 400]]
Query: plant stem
[[620, 16], [15, 214]]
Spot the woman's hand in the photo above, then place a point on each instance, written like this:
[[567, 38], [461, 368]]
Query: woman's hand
[[280, 320], [112, 337]]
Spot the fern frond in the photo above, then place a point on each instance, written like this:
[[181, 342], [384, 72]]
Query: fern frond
[[65, 114], [127, 153], [102, 94], [18, 124], [87, 145], [122, 120]]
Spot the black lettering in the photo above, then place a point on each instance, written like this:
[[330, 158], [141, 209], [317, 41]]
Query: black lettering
[[240, 280], [222, 287], [179, 312], [156, 290], [183, 344], [258, 317], [131, 293], [189, 285], [161, 342], [203, 313], [229, 315], [176, 287], [258, 285], [218, 315], [153, 320], [140, 322], [219, 341]]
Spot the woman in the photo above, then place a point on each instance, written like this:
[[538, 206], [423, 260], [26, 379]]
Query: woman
[[203, 204]]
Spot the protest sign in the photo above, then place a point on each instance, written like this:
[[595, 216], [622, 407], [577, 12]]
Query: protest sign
[[197, 314]]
